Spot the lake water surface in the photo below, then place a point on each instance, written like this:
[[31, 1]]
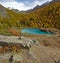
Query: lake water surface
[[34, 31]]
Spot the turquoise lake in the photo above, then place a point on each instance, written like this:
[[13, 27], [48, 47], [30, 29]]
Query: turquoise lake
[[34, 31]]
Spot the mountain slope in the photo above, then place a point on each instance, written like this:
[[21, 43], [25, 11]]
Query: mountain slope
[[3, 12], [45, 17]]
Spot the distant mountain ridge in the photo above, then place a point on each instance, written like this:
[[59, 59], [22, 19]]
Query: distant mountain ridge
[[55, 1], [15, 10], [40, 6]]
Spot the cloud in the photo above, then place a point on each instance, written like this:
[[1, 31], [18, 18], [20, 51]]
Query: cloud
[[7, 0], [15, 5], [22, 4]]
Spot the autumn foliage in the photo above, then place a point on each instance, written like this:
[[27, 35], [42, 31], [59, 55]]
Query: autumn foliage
[[13, 32], [45, 17]]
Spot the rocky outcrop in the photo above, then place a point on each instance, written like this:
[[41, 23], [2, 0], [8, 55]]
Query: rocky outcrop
[[33, 49], [13, 43]]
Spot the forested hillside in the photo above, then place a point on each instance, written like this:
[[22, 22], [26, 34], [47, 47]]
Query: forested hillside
[[46, 17]]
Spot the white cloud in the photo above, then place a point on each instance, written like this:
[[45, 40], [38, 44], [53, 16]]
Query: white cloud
[[7, 0], [20, 5], [15, 5]]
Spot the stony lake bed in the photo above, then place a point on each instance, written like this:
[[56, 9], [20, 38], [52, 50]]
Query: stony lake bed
[[30, 48]]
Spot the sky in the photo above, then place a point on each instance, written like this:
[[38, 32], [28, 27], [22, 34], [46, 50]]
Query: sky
[[22, 4]]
